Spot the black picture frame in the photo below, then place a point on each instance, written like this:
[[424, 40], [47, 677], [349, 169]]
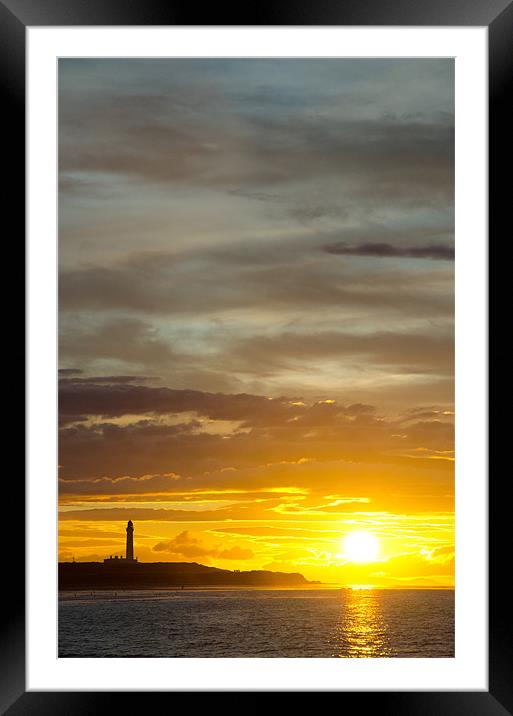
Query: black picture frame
[[15, 17]]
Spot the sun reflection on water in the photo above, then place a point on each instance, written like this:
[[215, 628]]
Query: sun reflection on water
[[362, 631]]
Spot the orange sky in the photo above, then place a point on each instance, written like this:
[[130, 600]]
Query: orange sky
[[341, 474]]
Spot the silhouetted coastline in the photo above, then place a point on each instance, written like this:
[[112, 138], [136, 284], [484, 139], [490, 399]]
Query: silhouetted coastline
[[151, 575]]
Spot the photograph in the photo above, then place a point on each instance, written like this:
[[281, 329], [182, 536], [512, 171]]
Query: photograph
[[258, 253], [256, 397]]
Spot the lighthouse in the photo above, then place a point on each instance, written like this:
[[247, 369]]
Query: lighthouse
[[130, 541]]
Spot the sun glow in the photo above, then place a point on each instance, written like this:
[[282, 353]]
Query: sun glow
[[360, 547]]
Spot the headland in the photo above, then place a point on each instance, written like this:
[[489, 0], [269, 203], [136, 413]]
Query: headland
[[123, 574]]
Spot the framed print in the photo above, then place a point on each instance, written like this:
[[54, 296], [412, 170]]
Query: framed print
[[256, 367]]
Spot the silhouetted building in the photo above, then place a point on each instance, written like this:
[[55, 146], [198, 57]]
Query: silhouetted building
[[130, 541], [129, 547]]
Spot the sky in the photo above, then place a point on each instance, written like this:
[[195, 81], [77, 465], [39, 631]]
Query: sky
[[256, 304]]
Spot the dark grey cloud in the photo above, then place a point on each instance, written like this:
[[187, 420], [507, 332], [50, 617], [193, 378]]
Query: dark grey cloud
[[289, 277], [427, 353], [112, 398], [384, 155], [115, 399], [123, 485], [431, 251], [202, 203], [249, 127], [125, 339], [110, 379]]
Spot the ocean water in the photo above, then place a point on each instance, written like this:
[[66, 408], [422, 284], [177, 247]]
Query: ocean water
[[322, 623]]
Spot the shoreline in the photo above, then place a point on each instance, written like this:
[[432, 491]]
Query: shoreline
[[252, 588]]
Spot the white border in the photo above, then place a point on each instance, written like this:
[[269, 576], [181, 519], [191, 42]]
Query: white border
[[468, 670]]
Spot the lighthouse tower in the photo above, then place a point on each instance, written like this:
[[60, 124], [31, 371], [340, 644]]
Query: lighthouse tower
[[130, 541]]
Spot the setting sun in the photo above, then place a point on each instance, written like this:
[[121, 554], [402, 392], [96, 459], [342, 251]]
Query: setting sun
[[360, 547]]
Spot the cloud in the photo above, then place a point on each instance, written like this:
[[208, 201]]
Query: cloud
[[250, 490], [142, 439], [300, 155], [235, 552], [430, 352], [260, 531], [90, 531], [109, 379], [145, 514], [185, 545], [133, 136], [123, 339], [432, 251], [439, 555], [203, 282], [145, 484], [114, 398]]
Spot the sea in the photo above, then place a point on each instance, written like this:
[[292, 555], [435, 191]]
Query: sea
[[244, 623]]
